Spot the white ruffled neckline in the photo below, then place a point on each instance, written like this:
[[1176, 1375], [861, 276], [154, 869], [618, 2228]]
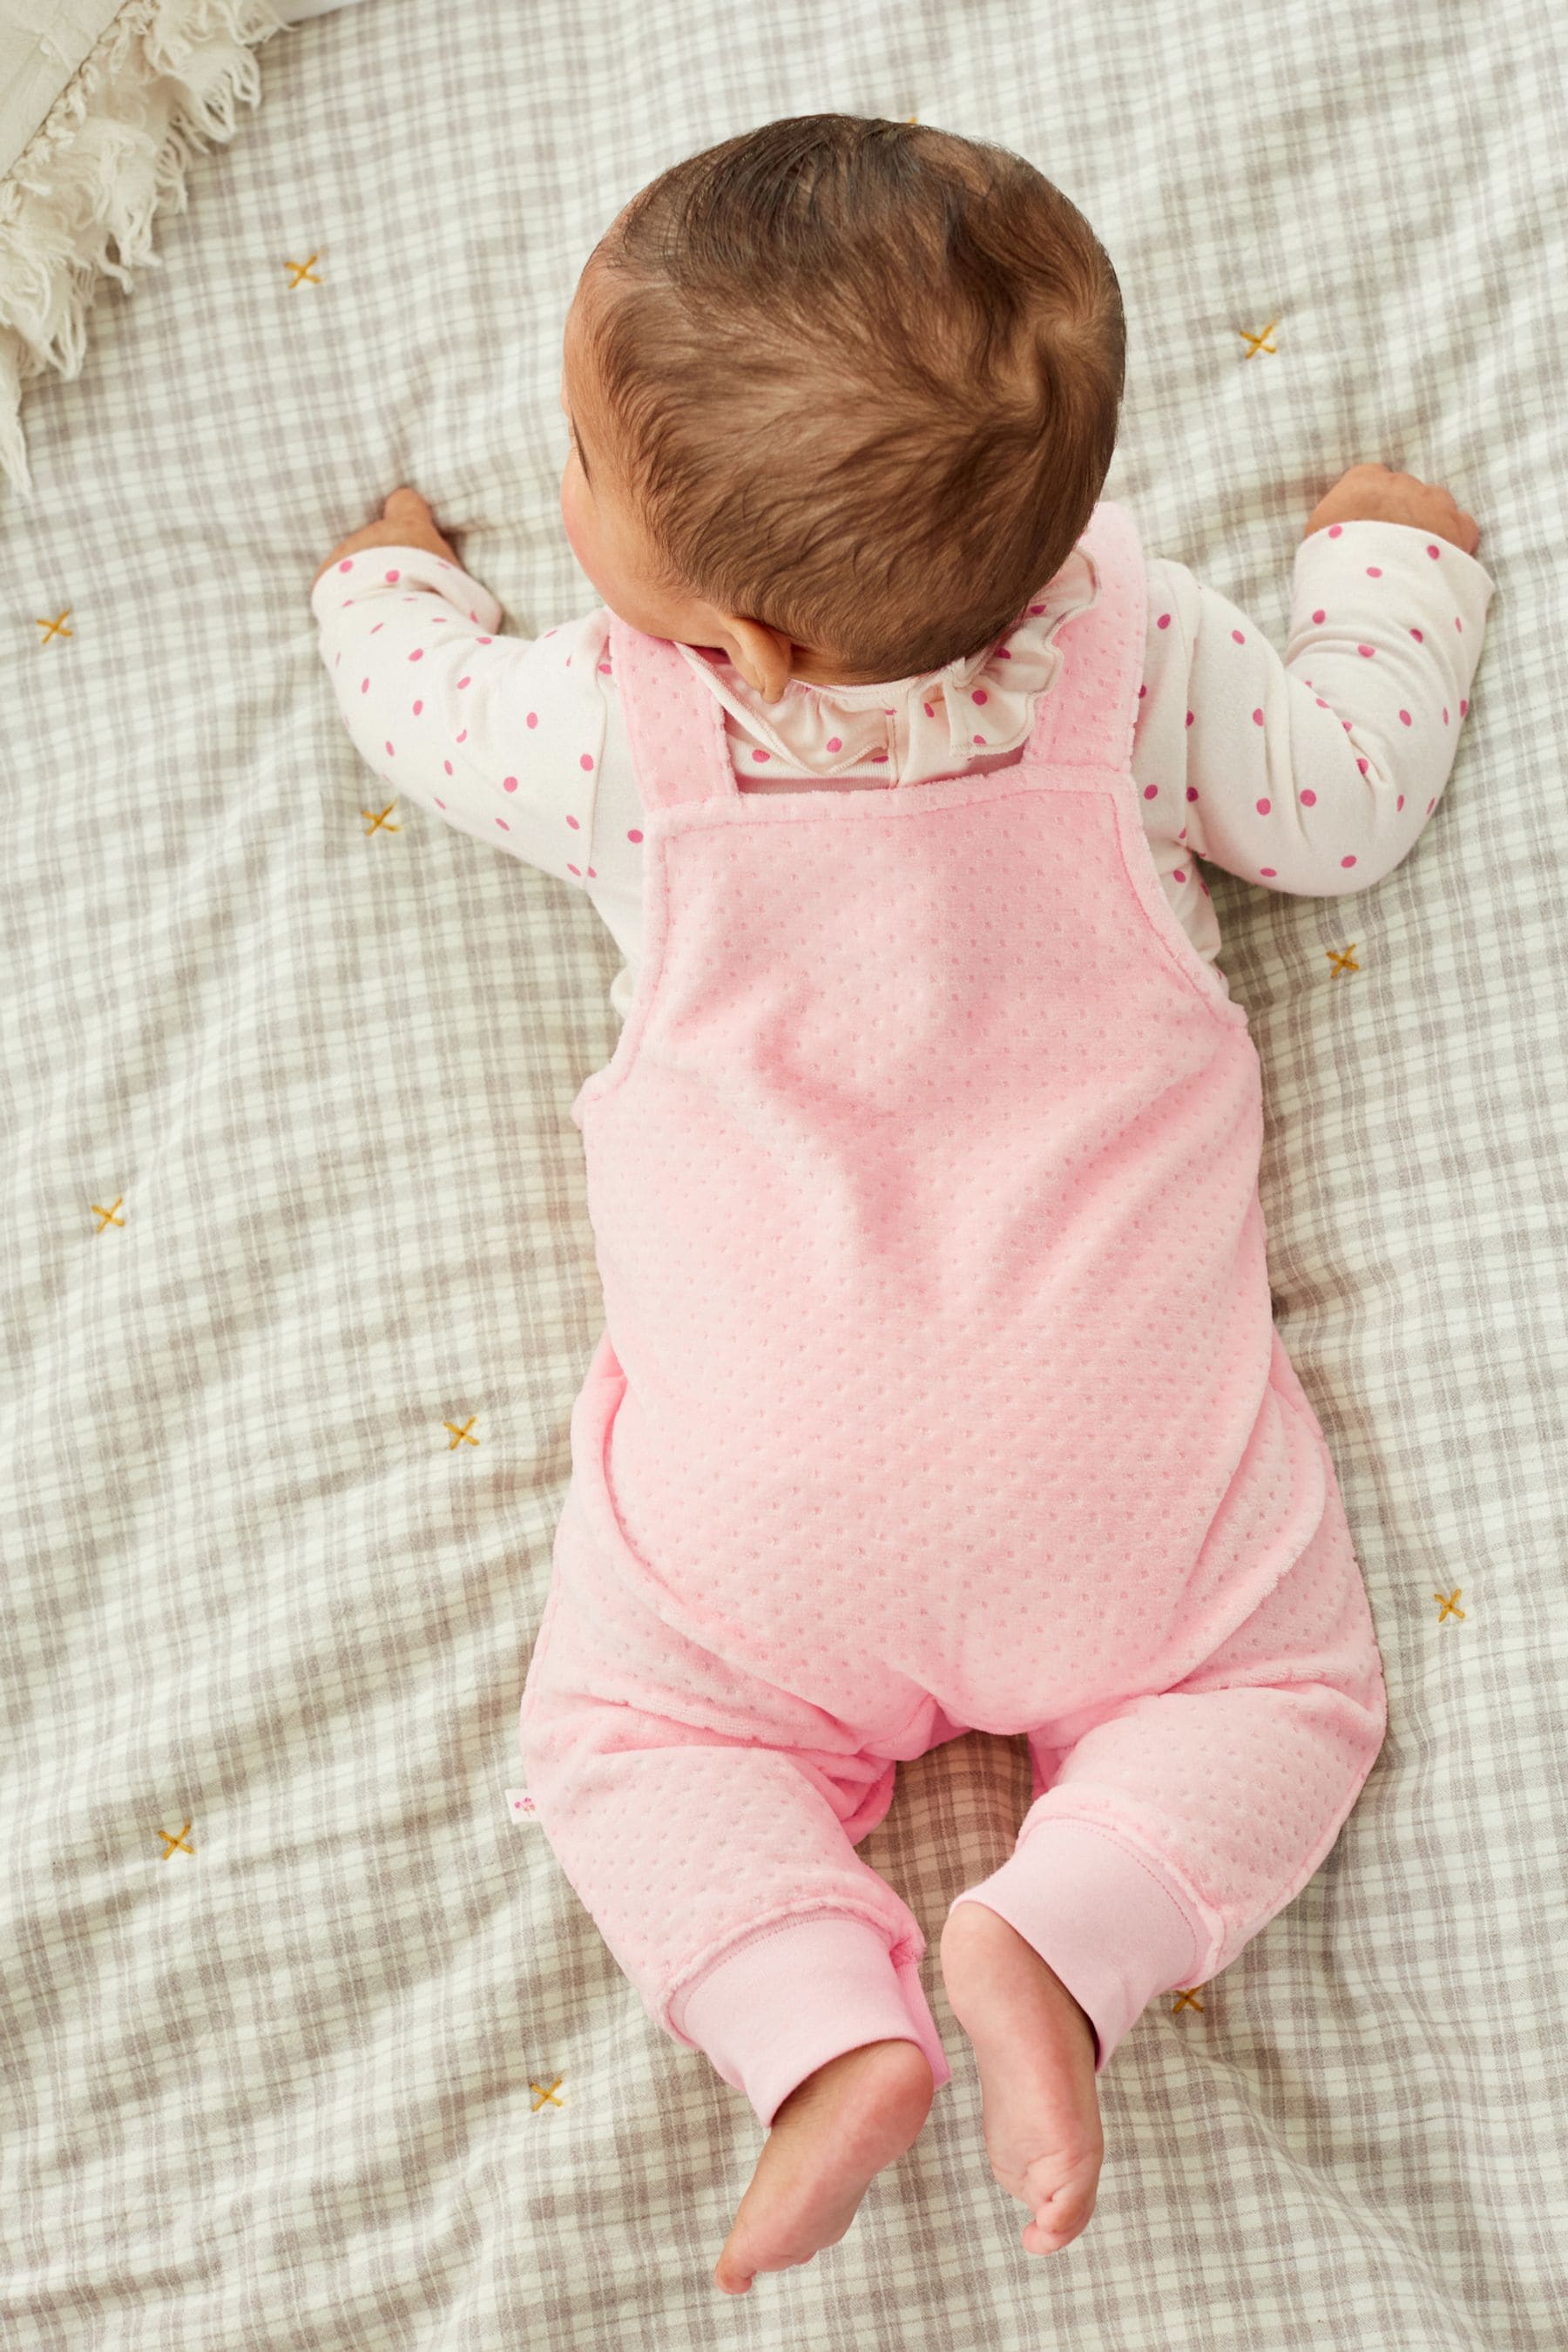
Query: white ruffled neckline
[[936, 723]]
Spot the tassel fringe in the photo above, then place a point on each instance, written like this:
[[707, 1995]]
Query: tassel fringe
[[161, 82]]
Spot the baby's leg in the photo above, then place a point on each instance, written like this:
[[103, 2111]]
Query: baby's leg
[[713, 1850], [1175, 1828]]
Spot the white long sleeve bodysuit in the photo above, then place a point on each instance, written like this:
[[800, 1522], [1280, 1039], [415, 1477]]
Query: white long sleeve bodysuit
[[1313, 774]]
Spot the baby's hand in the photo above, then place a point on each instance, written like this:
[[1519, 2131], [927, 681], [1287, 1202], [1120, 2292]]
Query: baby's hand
[[407, 522], [1376, 494]]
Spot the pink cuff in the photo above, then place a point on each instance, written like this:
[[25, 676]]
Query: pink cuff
[[1114, 1930], [799, 1994]]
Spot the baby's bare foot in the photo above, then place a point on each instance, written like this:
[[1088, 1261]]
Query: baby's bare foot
[[833, 2134], [1035, 2052]]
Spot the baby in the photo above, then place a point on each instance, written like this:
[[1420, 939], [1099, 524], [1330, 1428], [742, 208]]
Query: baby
[[939, 1388]]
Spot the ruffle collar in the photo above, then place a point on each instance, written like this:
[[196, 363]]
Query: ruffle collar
[[935, 724]]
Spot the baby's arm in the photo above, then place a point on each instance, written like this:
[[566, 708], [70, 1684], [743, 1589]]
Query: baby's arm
[[1316, 774], [496, 734]]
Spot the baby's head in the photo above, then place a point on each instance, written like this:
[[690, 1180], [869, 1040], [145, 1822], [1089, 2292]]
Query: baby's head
[[844, 392]]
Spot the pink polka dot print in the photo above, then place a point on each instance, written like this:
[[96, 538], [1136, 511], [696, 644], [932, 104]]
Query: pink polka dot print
[[585, 760]]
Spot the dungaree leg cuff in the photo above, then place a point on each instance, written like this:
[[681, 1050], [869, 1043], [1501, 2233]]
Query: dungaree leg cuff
[[801, 1993], [1113, 1931]]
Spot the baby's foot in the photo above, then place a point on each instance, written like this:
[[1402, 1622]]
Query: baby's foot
[[1035, 2050], [833, 2134]]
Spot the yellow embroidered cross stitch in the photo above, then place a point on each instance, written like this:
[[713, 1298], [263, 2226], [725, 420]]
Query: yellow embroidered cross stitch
[[458, 1434], [544, 2094], [1448, 1602], [1256, 341], [171, 1842], [380, 820], [302, 274], [56, 628], [108, 1214], [1342, 959], [1187, 1998]]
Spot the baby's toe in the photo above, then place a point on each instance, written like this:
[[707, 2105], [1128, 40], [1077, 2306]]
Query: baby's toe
[[1062, 2198]]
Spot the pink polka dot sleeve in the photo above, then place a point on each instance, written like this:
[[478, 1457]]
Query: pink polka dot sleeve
[[1315, 774], [500, 736]]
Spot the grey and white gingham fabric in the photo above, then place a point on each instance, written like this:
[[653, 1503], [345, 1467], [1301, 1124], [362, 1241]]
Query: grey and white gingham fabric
[[307, 2042]]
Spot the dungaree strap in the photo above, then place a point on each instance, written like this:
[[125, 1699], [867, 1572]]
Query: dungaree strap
[[668, 709], [1088, 717]]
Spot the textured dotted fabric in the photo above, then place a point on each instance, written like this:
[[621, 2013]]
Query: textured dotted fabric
[[939, 1386]]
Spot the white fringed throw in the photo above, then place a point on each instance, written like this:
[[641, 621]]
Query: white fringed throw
[[161, 82]]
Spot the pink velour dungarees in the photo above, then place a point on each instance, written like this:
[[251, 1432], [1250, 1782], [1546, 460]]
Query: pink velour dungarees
[[940, 1390]]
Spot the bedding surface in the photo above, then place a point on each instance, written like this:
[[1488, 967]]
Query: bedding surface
[[307, 2042]]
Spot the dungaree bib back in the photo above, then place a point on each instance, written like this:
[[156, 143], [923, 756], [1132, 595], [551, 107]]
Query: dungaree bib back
[[939, 1388]]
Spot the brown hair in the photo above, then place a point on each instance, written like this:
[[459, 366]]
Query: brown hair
[[908, 348]]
